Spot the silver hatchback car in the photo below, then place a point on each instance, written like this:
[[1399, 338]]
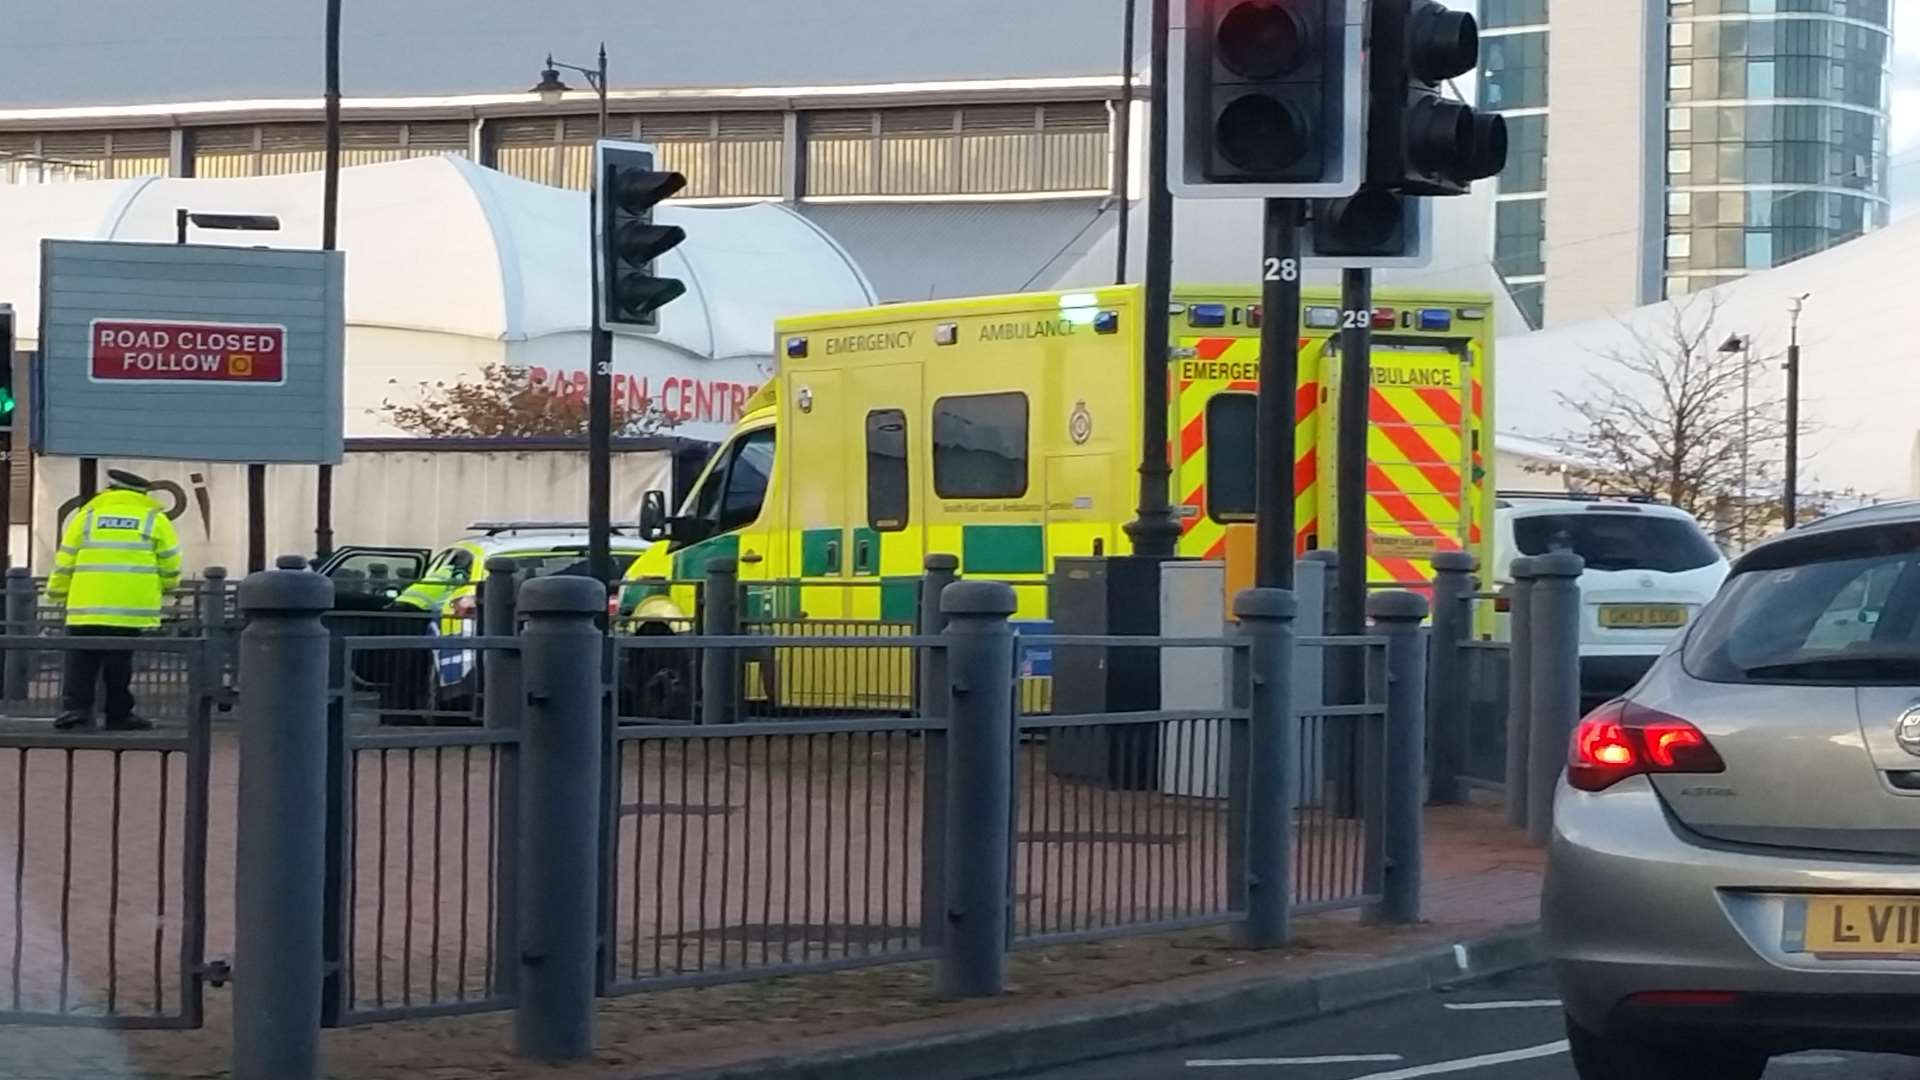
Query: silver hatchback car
[[1735, 869]]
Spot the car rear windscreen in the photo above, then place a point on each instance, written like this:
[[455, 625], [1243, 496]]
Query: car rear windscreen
[[1618, 540], [1845, 616]]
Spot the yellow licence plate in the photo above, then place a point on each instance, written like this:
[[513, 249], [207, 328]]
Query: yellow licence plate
[[1861, 926], [1643, 616]]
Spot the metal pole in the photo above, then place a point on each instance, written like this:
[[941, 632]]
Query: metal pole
[[180, 225], [20, 622], [1153, 530], [1350, 471], [1790, 498], [1279, 381], [941, 571], [89, 478], [1398, 616], [599, 392], [280, 857], [329, 237], [1519, 688], [500, 702], [1556, 681], [1447, 676], [719, 667], [559, 823], [1123, 141], [1746, 438], [1266, 618], [256, 518], [973, 961]]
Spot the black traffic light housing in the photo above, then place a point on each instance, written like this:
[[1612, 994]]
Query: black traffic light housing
[[628, 241], [1373, 228], [1266, 98], [7, 346], [1419, 142]]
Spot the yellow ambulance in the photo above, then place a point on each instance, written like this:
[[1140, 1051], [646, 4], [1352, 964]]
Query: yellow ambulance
[[1006, 431]]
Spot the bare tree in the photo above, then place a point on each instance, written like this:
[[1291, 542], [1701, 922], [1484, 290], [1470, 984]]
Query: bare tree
[[1666, 421], [508, 402]]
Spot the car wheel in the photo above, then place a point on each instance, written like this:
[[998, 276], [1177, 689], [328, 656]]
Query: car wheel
[[1601, 1058]]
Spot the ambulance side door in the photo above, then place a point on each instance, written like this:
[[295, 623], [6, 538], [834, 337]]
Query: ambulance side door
[[886, 475]]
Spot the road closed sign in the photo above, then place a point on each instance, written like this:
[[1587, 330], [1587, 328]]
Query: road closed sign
[[124, 350], [190, 352]]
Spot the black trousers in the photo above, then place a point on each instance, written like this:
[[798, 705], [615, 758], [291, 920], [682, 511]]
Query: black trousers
[[85, 667]]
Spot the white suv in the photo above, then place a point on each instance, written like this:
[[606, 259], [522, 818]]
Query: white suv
[[1650, 568]]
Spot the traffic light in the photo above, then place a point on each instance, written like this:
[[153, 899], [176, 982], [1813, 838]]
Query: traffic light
[[1419, 141], [1266, 98], [6, 367], [627, 240], [1374, 228]]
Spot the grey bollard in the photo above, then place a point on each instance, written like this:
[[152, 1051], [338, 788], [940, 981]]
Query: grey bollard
[[941, 571], [720, 668], [1266, 618], [1519, 688], [559, 822], [1398, 616], [280, 872], [217, 628], [20, 623], [1554, 692], [1447, 676], [979, 841], [500, 704]]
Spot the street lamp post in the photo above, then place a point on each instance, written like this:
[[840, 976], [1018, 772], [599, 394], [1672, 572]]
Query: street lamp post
[[1743, 344], [1790, 496], [256, 474], [600, 375]]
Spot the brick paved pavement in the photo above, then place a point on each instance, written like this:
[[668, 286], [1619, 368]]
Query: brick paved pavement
[[1479, 878]]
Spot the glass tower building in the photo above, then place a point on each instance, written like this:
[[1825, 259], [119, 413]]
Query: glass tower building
[[1766, 139]]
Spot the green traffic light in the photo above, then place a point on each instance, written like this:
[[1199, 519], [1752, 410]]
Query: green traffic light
[[6, 402]]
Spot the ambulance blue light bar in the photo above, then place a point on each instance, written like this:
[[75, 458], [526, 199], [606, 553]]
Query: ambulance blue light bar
[[1207, 315], [1436, 319], [796, 348]]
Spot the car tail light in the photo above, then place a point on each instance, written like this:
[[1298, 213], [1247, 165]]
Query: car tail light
[[463, 607], [1621, 739]]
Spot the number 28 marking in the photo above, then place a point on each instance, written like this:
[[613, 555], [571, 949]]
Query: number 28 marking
[[1287, 270]]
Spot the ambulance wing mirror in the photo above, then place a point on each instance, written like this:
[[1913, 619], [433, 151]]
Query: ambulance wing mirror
[[653, 516]]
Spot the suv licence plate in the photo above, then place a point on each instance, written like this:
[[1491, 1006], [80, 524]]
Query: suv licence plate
[[1643, 616], [1885, 926]]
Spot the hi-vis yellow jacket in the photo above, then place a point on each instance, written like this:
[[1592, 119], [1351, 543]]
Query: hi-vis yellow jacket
[[118, 557]]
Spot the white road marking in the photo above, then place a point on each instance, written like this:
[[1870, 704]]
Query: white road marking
[[1325, 1059], [1439, 1068], [1485, 1006], [1809, 1059]]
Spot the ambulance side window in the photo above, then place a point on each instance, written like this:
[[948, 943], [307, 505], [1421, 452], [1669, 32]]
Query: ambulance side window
[[887, 497], [748, 475], [1230, 461], [980, 446]]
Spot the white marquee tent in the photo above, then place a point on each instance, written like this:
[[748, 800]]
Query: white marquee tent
[[1860, 381], [451, 266]]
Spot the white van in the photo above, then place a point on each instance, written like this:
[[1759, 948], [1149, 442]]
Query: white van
[[1650, 569]]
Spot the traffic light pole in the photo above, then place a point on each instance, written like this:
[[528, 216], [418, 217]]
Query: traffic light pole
[[329, 239], [1350, 479], [599, 392], [1350, 454], [1279, 382]]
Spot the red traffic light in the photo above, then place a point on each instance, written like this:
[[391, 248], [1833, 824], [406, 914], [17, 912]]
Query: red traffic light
[[1263, 39]]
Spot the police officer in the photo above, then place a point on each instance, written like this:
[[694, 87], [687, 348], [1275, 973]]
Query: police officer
[[118, 558]]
